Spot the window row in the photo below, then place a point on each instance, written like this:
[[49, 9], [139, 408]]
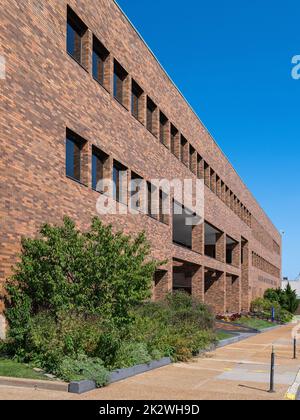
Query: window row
[[262, 236], [111, 177], [264, 265], [129, 93]]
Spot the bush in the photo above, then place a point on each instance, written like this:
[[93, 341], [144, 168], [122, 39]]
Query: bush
[[286, 298], [131, 354], [263, 309], [97, 272], [82, 368]]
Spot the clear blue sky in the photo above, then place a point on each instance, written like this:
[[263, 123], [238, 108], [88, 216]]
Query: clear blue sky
[[232, 61]]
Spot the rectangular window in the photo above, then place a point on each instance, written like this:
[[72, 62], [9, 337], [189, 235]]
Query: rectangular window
[[100, 63], [231, 246], [137, 108], [76, 30], [151, 116], [99, 161], [182, 231], [119, 183], [174, 141], [74, 145], [211, 237], [136, 191], [120, 77], [163, 128], [151, 207], [184, 146], [163, 207]]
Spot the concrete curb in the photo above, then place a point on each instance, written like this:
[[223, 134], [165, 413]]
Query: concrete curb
[[81, 387], [293, 392], [33, 383], [239, 337]]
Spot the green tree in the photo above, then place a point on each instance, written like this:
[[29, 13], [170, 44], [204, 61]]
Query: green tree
[[97, 272]]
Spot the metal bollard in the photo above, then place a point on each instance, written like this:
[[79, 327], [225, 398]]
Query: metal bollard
[[295, 348], [272, 374]]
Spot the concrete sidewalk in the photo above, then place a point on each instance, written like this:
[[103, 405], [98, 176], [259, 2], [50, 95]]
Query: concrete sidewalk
[[237, 372]]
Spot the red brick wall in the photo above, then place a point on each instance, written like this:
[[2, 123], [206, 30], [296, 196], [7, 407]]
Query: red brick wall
[[45, 91]]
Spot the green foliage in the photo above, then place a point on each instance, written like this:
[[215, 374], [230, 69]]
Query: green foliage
[[131, 354], [263, 308], [97, 272], [178, 327], [83, 368], [286, 298]]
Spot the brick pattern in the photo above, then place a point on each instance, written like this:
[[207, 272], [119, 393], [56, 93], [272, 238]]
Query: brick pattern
[[46, 91]]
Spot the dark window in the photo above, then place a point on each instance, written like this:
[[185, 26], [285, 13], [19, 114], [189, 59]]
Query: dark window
[[75, 32], [163, 207], [100, 62], [231, 244], [74, 145], [182, 281], [163, 128], [120, 76], [174, 140], [182, 231], [151, 192], [136, 101], [184, 150], [212, 235], [99, 160], [136, 191], [151, 114], [192, 162], [119, 183]]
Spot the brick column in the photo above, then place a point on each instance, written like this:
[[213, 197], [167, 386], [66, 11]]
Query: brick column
[[198, 283], [198, 238], [245, 286], [86, 50], [86, 164], [213, 182], [221, 247], [233, 294], [162, 284], [200, 167], [215, 291]]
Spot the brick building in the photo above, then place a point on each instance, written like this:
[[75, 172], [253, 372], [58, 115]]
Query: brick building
[[84, 98]]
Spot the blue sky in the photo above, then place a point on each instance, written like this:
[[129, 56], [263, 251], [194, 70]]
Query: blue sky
[[232, 61]]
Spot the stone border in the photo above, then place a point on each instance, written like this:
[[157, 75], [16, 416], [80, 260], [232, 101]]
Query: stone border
[[293, 392], [81, 387], [33, 383]]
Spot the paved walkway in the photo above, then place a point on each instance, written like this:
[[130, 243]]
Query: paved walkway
[[237, 372]]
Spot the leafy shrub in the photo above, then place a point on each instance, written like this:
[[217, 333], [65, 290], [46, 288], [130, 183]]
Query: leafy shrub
[[286, 298], [131, 354], [83, 368], [97, 272], [263, 309]]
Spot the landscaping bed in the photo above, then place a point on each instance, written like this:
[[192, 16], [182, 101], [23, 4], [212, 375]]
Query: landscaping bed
[[12, 369]]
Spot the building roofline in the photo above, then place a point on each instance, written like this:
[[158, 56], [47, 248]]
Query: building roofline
[[194, 112]]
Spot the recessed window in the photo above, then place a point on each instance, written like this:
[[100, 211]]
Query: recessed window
[[164, 209], [120, 183], [76, 30], [163, 128], [151, 117], [193, 160], [151, 200], [136, 191], [100, 63], [184, 151], [74, 146], [120, 85], [175, 141], [231, 246], [182, 230], [99, 162], [212, 235], [137, 106]]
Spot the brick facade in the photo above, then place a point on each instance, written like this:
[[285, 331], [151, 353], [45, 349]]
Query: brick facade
[[46, 91]]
